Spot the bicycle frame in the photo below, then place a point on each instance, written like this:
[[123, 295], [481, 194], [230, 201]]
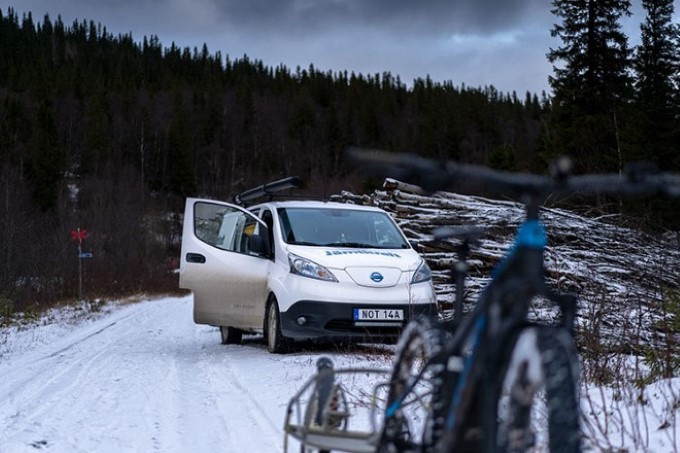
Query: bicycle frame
[[473, 356], [482, 343]]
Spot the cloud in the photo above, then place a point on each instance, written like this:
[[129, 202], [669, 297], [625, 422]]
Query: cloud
[[306, 17], [426, 17], [476, 42]]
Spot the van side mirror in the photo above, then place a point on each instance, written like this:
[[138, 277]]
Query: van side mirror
[[259, 245]]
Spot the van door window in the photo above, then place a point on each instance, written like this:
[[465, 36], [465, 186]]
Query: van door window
[[224, 227]]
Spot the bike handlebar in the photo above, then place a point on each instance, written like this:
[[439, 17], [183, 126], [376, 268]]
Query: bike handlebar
[[432, 175]]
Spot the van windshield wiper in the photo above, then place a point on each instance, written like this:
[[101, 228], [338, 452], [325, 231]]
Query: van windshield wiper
[[314, 244], [354, 245]]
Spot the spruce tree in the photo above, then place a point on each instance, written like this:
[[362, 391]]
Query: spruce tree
[[657, 66], [181, 153], [591, 81], [46, 159], [657, 110], [97, 148]]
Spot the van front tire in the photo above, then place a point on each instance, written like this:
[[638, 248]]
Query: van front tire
[[276, 342]]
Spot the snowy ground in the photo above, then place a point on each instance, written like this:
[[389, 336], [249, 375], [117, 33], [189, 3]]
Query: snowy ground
[[142, 377], [145, 378]]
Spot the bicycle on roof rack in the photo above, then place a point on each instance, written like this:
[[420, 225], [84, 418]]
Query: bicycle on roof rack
[[479, 382]]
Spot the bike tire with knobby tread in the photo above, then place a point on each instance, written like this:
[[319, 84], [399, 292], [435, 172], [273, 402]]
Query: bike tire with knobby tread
[[421, 339], [560, 368]]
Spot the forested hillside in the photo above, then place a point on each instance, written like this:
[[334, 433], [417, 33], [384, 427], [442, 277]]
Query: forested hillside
[[110, 133]]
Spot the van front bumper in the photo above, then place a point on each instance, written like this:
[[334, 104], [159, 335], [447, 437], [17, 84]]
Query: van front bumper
[[322, 320]]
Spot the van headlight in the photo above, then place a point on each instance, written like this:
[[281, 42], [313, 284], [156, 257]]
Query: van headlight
[[306, 268], [422, 274]]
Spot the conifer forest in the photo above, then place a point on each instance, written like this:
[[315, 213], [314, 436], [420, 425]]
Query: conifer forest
[[109, 134]]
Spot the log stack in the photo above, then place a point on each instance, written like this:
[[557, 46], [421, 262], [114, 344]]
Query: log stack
[[625, 278]]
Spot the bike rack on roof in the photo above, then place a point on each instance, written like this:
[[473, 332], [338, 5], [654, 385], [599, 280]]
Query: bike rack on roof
[[269, 189]]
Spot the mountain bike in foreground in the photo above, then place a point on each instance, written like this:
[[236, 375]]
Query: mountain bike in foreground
[[483, 381]]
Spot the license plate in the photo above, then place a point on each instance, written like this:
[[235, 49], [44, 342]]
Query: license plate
[[378, 314]]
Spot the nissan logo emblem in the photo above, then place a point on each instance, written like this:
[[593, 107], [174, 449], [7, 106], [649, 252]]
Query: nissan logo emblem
[[376, 277]]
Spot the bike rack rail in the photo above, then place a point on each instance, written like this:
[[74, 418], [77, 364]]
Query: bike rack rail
[[269, 189], [300, 421]]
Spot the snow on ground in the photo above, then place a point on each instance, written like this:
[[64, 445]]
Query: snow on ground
[[142, 377]]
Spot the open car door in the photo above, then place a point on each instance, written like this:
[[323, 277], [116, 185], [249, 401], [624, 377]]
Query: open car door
[[224, 263]]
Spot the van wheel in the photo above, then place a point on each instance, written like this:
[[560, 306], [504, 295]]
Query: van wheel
[[230, 335], [276, 342]]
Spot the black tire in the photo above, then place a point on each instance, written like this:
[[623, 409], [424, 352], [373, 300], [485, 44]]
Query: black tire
[[230, 335], [276, 342], [305, 449], [525, 393], [410, 428]]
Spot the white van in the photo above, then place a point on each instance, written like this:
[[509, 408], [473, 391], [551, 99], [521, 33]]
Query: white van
[[301, 270]]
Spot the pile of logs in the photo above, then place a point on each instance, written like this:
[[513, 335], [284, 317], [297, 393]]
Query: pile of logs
[[625, 278]]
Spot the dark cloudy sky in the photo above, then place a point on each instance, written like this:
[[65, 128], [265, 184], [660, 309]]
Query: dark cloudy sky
[[476, 42]]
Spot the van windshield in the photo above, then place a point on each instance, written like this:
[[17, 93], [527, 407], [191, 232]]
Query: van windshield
[[331, 227]]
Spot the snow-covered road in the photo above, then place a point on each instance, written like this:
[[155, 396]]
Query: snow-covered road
[[143, 378]]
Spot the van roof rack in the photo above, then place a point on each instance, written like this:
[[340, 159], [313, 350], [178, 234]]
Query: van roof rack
[[269, 189]]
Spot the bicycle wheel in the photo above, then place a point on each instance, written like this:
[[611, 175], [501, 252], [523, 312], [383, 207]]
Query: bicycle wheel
[[538, 405], [408, 427]]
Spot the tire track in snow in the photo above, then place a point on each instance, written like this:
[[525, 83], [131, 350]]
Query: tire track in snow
[[71, 380], [48, 382], [145, 378], [249, 412]]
